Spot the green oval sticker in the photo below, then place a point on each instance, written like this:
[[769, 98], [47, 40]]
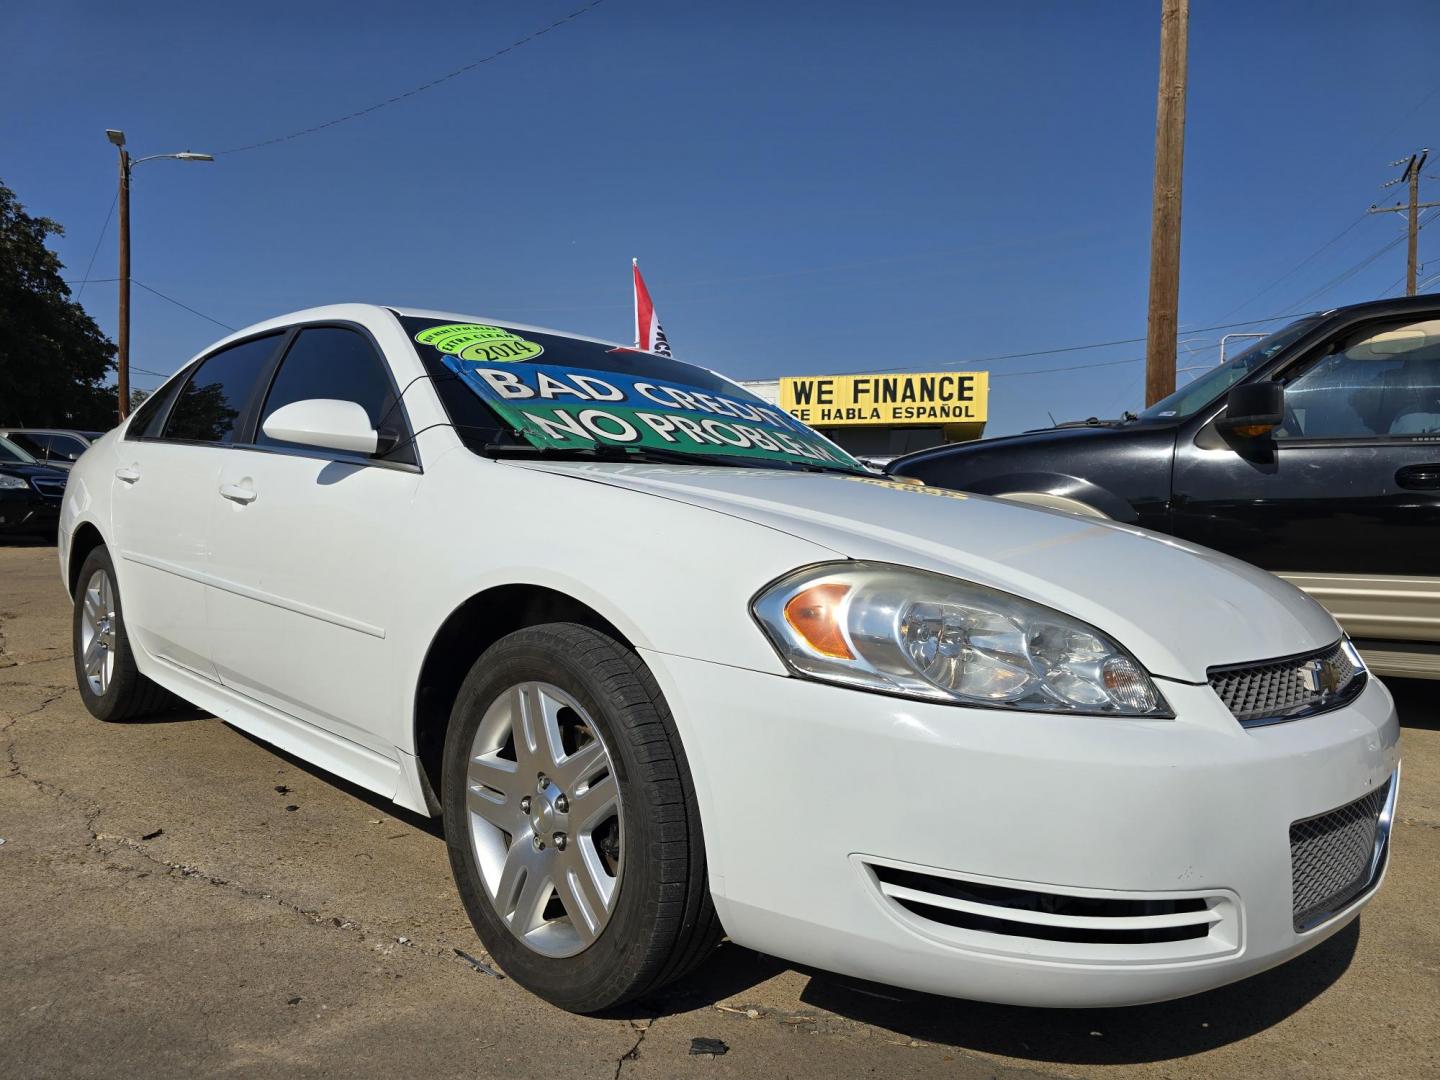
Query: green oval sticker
[[472, 341]]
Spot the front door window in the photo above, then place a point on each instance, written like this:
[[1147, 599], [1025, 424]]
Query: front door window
[[1368, 385]]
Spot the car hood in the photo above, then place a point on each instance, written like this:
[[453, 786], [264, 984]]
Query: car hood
[[1178, 608], [1056, 440], [20, 468]]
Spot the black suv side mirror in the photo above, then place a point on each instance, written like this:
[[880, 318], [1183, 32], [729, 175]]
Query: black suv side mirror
[[1253, 410]]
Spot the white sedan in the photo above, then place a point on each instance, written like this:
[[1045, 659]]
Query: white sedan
[[671, 665]]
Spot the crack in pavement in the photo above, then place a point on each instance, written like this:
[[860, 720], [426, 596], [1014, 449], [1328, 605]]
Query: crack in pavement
[[15, 769], [182, 871], [107, 845], [634, 1052]]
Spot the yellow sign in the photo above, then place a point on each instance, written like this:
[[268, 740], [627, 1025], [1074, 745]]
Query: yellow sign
[[939, 397]]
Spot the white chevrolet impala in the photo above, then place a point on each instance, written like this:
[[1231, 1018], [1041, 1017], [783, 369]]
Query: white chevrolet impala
[[671, 665]]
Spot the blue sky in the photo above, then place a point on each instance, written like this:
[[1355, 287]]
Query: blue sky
[[810, 187]]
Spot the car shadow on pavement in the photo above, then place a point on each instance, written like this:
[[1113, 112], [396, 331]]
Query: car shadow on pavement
[[1123, 1036], [381, 803], [181, 712], [1417, 701]]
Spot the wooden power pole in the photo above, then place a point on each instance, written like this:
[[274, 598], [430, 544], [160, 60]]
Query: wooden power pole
[[1413, 246], [1410, 176], [1163, 321]]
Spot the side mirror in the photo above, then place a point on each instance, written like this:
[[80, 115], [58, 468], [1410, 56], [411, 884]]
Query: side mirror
[[1253, 410], [324, 422]]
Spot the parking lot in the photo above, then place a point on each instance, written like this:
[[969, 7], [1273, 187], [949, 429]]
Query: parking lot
[[180, 900]]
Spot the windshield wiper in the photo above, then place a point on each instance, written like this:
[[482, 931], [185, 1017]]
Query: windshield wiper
[[657, 454]]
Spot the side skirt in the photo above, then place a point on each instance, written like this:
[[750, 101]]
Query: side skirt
[[345, 759]]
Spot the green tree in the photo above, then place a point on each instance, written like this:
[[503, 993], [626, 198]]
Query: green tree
[[53, 358]]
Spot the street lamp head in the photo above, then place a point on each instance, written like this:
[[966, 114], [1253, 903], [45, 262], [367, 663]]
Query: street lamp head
[[188, 156], [116, 137]]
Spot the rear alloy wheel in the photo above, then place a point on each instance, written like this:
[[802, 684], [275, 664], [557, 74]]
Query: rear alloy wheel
[[571, 821], [97, 631], [105, 673]]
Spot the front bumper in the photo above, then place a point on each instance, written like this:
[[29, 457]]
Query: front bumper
[[825, 808], [28, 513]]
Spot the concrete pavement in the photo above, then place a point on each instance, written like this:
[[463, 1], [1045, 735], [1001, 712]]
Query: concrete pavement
[[178, 899]]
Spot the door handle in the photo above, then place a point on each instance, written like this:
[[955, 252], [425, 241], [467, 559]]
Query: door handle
[[1424, 477], [236, 493], [127, 474]]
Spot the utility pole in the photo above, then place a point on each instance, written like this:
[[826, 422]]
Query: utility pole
[[122, 359], [1411, 175], [122, 344], [1164, 315]]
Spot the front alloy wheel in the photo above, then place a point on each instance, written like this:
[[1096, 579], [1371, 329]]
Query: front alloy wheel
[[571, 820], [545, 818]]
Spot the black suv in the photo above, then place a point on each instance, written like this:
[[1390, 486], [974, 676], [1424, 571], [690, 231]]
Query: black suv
[[1314, 454]]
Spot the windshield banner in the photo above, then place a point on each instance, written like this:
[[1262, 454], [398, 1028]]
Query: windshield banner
[[565, 406]]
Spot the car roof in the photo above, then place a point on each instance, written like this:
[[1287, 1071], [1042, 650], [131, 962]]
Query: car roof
[[50, 431], [355, 311]]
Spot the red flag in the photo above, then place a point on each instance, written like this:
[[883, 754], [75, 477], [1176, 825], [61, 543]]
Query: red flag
[[648, 334]]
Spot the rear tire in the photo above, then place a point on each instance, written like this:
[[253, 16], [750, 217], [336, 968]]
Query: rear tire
[[110, 684], [506, 803]]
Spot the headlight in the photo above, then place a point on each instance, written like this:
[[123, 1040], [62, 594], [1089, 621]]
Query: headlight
[[12, 483], [923, 635]]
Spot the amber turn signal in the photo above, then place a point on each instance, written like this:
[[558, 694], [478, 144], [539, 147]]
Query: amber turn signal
[[815, 615]]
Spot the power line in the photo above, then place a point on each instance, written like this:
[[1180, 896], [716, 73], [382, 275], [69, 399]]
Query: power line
[[1346, 275], [1071, 367], [151, 288], [98, 241], [1075, 348], [1298, 266], [418, 89], [177, 303]]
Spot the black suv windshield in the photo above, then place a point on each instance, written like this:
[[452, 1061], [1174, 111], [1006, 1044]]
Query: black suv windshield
[[1198, 393], [552, 395]]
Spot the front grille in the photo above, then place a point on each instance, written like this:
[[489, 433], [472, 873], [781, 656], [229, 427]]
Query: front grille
[[50, 487], [1338, 855], [1286, 689]]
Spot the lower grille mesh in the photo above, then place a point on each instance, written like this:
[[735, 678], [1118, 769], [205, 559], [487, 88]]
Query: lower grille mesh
[[1336, 856]]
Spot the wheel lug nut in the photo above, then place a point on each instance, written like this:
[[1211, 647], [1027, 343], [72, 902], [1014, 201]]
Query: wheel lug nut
[[562, 804], [541, 783], [559, 841], [525, 804], [539, 844]]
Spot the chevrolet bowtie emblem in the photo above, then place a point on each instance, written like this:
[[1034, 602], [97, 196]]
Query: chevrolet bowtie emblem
[[1320, 677]]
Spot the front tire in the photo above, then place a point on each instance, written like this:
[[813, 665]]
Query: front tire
[[110, 684], [571, 820]]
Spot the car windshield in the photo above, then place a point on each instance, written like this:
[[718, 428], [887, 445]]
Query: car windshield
[[13, 455], [1195, 395], [560, 396]]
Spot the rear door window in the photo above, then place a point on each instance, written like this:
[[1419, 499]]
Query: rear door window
[[212, 406]]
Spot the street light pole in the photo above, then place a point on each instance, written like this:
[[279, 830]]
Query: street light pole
[[122, 359]]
